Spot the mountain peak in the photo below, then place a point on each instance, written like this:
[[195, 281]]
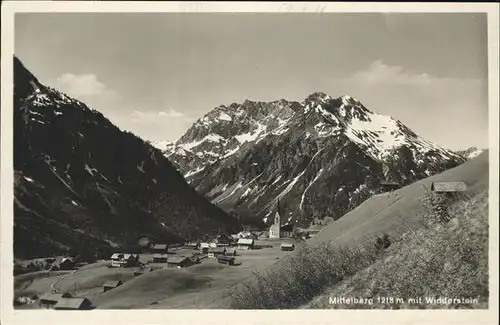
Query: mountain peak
[[249, 158], [317, 96]]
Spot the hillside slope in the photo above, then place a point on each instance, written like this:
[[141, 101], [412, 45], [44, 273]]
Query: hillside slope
[[399, 210], [423, 260], [320, 157], [82, 183], [449, 261]]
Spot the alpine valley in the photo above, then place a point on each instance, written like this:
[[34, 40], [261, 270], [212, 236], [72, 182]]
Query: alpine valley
[[318, 158], [81, 183]]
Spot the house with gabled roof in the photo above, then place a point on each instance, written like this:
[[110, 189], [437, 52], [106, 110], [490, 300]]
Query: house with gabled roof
[[179, 261], [108, 285], [73, 304], [49, 300], [246, 243]]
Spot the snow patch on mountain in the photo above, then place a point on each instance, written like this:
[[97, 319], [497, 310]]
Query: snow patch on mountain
[[251, 136], [224, 117], [308, 186]]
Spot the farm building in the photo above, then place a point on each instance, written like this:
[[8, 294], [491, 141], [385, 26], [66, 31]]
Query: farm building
[[193, 245], [62, 263], [73, 304], [288, 230], [108, 285], [195, 259], [448, 187], [131, 259], [222, 240], [117, 260], [231, 252], [179, 261], [287, 247], [49, 300], [389, 186], [246, 243], [160, 249], [160, 258], [204, 248], [222, 259], [124, 260], [245, 234], [216, 251]]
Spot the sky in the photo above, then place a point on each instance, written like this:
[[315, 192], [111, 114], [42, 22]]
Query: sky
[[156, 73]]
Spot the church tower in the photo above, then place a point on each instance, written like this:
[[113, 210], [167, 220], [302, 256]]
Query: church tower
[[274, 230]]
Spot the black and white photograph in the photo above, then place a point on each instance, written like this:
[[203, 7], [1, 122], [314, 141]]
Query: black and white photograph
[[207, 159]]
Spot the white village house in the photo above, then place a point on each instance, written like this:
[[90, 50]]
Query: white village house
[[246, 243]]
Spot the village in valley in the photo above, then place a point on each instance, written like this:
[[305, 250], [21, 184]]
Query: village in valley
[[64, 283]]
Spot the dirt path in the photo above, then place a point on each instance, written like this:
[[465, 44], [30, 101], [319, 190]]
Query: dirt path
[[53, 287]]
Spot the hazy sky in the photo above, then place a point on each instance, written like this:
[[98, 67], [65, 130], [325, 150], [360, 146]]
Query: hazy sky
[[156, 73]]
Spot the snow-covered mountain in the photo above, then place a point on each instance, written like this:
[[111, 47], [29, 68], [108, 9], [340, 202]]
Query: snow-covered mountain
[[81, 183], [320, 157], [470, 153]]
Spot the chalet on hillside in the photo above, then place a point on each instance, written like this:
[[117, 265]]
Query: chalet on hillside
[[73, 304], [62, 263], [389, 186], [246, 243], [124, 260], [49, 300], [108, 285], [448, 187]]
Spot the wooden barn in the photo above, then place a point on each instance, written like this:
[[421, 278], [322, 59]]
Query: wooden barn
[[389, 186], [193, 245], [109, 285], [216, 251], [73, 304], [179, 262], [246, 243], [448, 187], [288, 230], [222, 259], [160, 258], [160, 249], [49, 300], [231, 252], [287, 247]]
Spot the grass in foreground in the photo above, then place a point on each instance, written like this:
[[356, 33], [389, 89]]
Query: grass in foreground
[[438, 260]]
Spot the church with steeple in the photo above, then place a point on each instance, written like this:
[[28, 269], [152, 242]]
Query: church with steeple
[[277, 230]]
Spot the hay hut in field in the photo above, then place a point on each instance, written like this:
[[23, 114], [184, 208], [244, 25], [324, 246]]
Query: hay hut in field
[[73, 304], [109, 285]]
